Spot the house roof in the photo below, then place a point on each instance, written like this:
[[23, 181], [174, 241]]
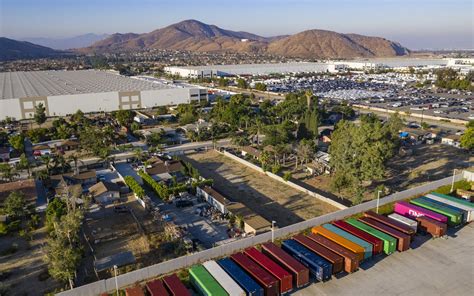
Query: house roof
[[257, 222], [70, 143], [252, 219], [27, 187], [103, 187], [252, 151], [216, 194], [41, 147], [165, 167]]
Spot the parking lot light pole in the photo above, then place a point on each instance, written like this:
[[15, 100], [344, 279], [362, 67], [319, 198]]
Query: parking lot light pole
[[273, 231], [452, 183], [378, 200], [116, 282]]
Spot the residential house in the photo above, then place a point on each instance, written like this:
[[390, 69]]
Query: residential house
[[27, 187], [249, 150], [83, 179], [68, 145], [451, 140], [214, 198], [165, 171], [253, 223], [105, 192]]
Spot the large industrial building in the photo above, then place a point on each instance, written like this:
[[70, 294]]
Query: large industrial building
[[65, 92]]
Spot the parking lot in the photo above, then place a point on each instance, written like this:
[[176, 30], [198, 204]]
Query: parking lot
[[434, 267]]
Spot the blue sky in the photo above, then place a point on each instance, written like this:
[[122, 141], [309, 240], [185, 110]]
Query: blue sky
[[414, 23]]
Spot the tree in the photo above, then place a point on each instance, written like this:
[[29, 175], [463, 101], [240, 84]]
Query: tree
[[15, 204], [260, 86], [40, 114], [8, 173], [242, 83], [124, 117], [24, 164], [425, 125], [17, 142], [467, 139]]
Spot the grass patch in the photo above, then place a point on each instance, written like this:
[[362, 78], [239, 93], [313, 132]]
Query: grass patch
[[446, 189]]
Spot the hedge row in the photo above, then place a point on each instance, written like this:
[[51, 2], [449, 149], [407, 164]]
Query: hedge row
[[161, 190], [136, 188]]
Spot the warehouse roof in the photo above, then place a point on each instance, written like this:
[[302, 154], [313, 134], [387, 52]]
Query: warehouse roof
[[56, 83]]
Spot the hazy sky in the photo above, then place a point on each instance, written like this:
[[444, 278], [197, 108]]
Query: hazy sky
[[414, 23]]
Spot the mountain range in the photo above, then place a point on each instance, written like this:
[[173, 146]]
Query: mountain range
[[14, 50], [68, 42], [194, 35]]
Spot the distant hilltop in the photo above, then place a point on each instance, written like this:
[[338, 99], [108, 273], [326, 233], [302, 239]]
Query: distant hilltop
[[13, 50], [196, 36]]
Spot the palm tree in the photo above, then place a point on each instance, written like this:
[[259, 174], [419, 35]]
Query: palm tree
[[75, 158]]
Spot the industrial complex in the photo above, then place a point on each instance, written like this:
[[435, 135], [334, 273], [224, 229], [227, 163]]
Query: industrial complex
[[65, 92]]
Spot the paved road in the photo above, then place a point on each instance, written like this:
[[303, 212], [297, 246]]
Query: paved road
[[434, 267]]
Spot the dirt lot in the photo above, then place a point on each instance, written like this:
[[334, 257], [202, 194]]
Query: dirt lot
[[25, 271], [267, 197], [428, 163]]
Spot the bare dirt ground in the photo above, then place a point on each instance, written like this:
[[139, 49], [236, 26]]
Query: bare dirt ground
[[26, 272], [427, 163], [267, 197]]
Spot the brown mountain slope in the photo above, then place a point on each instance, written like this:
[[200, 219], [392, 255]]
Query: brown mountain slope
[[193, 35], [327, 44]]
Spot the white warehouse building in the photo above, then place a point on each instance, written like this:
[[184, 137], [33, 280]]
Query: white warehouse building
[[64, 92]]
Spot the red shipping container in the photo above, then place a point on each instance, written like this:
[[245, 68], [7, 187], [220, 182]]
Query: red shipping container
[[284, 277], [403, 240], [175, 286], [299, 271], [333, 258], [268, 282], [376, 242], [433, 227], [391, 223], [134, 291], [156, 288]]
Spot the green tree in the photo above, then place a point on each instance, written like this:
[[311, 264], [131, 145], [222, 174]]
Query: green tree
[[15, 204], [242, 83], [8, 172], [467, 139], [124, 117], [17, 142], [40, 114], [24, 164], [260, 86]]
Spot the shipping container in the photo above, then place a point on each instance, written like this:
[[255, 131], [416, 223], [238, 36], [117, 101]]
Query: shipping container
[[204, 283], [413, 224], [367, 247], [431, 226], [226, 282], [319, 267], [340, 240], [389, 243], [377, 244], [391, 223], [267, 281], [403, 240], [175, 286], [284, 277], [351, 260], [407, 209], [466, 213], [333, 258], [454, 217], [156, 288], [299, 271], [240, 277], [134, 291], [455, 199]]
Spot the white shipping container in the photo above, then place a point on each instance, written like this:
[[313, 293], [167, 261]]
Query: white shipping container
[[469, 211], [402, 219], [223, 278]]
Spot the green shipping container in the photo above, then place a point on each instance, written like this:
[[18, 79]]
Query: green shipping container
[[455, 199], [454, 217], [389, 242], [204, 282]]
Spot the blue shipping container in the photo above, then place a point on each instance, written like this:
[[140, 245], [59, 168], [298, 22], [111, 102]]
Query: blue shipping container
[[241, 277], [319, 267], [461, 211], [364, 244]]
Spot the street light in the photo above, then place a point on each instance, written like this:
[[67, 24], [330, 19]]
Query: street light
[[378, 200], [116, 282], [452, 183], [273, 229]]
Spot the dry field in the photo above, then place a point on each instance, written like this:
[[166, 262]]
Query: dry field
[[264, 195]]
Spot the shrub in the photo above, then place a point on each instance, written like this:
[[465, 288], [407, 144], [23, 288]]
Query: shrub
[[446, 189], [287, 176], [14, 226], [3, 229], [134, 186], [276, 169], [161, 190]]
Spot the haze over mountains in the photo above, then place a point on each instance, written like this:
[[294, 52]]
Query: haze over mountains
[[193, 35], [13, 50], [68, 42]]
